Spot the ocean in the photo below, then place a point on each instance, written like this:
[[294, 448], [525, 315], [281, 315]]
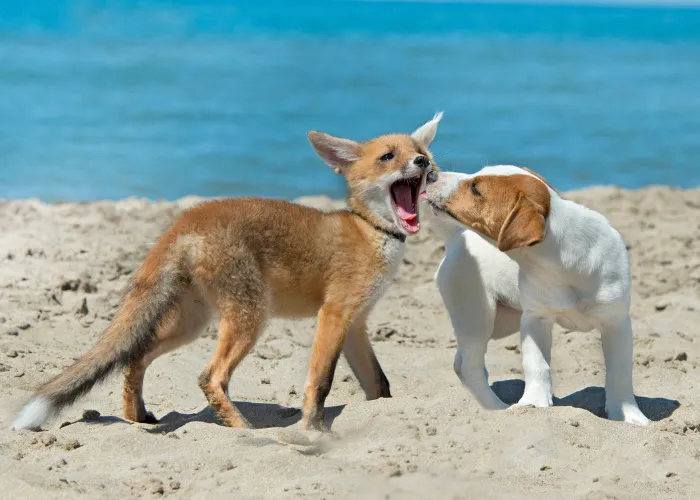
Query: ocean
[[160, 99]]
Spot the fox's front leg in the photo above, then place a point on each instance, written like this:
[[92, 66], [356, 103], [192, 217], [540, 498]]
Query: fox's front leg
[[333, 323], [363, 362]]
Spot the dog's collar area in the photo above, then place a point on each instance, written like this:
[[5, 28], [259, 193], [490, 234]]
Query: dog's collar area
[[394, 234]]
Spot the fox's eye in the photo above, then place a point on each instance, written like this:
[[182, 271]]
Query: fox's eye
[[387, 157], [475, 191]]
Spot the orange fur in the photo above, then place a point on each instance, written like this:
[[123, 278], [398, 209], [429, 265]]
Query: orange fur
[[248, 260], [508, 209]]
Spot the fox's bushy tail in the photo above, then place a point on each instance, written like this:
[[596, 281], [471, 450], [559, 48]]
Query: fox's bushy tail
[[152, 293]]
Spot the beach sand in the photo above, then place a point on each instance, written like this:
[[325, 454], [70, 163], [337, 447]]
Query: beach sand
[[63, 268]]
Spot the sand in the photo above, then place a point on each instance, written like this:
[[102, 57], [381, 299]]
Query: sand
[[62, 271]]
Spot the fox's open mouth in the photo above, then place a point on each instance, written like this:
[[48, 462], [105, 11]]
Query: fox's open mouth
[[404, 201]]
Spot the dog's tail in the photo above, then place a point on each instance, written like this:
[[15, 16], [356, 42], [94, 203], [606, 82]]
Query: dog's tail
[[152, 293]]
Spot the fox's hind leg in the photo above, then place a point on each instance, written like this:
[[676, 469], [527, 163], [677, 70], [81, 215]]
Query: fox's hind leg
[[238, 331], [132, 395], [181, 325], [242, 301]]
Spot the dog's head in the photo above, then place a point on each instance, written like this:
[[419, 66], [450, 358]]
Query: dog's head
[[384, 175], [509, 205]]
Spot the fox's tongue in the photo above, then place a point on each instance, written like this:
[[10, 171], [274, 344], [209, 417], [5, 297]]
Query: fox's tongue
[[404, 201]]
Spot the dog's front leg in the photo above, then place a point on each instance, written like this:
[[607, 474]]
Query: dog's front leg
[[470, 367], [473, 324], [619, 396], [333, 323], [536, 345]]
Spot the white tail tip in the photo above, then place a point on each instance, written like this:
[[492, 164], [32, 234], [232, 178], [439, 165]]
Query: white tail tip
[[34, 414]]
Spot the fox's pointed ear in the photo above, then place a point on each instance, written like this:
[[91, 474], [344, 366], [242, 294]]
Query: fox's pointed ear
[[338, 153], [524, 226], [425, 134]]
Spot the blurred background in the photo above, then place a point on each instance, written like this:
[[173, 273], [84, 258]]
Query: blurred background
[[162, 99]]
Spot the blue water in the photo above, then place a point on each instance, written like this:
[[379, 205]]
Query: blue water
[[162, 99]]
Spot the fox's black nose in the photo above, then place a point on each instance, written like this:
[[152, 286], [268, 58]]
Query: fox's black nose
[[421, 161]]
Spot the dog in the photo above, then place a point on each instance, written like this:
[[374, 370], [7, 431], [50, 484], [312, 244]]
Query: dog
[[248, 260], [520, 257]]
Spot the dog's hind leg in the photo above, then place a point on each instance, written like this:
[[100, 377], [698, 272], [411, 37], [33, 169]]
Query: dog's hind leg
[[619, 395]]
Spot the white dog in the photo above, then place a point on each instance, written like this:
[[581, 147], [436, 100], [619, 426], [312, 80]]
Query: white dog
[[520, 257]]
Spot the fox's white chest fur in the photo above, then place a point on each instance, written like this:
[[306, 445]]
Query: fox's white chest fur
[[393, 252]]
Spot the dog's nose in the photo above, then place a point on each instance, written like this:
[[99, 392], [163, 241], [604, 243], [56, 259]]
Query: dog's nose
[[421, 161]]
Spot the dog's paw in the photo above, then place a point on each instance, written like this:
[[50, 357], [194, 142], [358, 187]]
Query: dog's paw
[[536, 399], [629, 414], [491, 402], [496, 405], [487, 399]]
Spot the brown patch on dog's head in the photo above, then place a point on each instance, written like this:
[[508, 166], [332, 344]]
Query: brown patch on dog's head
[[540, 178], [385, 175], [510, 209]]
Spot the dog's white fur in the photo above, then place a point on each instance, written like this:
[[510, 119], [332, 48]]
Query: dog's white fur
[[577, 276]]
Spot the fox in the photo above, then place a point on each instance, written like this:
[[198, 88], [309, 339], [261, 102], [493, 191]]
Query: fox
[[244, 261]]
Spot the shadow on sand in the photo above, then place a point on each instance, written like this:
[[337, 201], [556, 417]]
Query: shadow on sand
[[259, 415], [591, 399]]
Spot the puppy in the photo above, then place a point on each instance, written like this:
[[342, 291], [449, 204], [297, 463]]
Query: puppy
[[520, 257], [248, 260]]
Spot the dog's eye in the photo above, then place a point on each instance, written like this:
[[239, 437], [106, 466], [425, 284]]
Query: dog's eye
[[387, 157], [475, 191]]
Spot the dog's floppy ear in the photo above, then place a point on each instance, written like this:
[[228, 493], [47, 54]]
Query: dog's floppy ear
[[524, 226], [425, 134], [338, 153]]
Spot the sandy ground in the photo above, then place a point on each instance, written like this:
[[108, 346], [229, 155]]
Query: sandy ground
[[63, 268]]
